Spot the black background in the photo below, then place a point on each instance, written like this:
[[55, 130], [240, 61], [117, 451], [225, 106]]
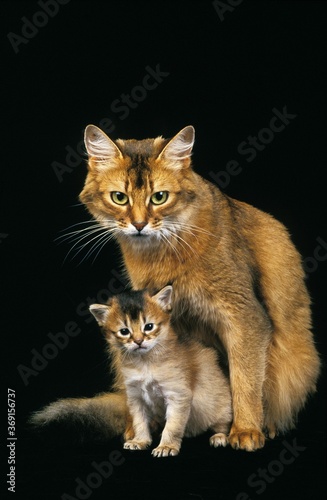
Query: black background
[[224, 75]]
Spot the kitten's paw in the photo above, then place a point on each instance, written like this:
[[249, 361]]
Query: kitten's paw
[[136, 445], [165, 451], [248, 440], [219, 439]]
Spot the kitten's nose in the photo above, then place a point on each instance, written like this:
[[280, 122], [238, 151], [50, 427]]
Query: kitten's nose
[[138, 340], [139, 225]]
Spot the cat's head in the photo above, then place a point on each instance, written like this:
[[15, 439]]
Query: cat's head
[[139, 190], [135, 321]]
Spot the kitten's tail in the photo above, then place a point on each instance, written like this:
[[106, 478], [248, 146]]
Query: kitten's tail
[[105, 412]]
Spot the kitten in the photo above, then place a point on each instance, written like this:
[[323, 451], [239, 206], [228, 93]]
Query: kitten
[[176, 384], [238, 279]]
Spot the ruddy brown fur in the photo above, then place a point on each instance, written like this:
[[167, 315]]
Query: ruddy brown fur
[[237, 277]]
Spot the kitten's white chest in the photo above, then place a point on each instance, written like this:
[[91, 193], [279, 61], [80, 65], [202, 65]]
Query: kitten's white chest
[[150, 391]]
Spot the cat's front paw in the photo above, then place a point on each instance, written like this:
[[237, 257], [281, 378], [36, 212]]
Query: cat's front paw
[[219, 439], [136, 445], [165, 451], [248, 440]]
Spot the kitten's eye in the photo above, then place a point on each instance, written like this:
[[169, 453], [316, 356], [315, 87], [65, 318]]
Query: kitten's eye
[[124, 332], [148, 327], [159, 198], [119, 198]]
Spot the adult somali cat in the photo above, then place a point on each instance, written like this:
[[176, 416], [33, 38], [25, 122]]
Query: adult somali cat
[[238, 279], [175, 384]]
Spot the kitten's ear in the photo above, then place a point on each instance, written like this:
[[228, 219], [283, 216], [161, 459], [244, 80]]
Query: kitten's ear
[[100, 312], [99, 147], [164, 298], [179, 148]]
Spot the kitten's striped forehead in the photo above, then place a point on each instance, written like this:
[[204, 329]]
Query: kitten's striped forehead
[[131, 304]]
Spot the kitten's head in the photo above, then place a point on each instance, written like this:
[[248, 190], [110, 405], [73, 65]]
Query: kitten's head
[[135, 321], [139, 190]]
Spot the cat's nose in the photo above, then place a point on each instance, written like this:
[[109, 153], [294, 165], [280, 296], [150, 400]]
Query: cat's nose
[[138, 340], [139, 225]]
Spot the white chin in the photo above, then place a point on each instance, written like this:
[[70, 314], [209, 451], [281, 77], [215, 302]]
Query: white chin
[[140, 350], [142, 238]]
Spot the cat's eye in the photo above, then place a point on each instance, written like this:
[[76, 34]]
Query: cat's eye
[[148, 327], [124, 332], [119, 198], [159, 198]]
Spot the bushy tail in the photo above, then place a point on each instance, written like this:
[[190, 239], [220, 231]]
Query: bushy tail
[[105, 412]]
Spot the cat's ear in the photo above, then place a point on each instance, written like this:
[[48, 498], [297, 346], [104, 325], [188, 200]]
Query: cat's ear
[[100, 147], [164, 298], [179, 148], [100, 312]]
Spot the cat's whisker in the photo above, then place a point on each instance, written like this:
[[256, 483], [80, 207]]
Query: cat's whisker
[[178, 228], [101, 233], [98, 240], [125, 355], [92, 221], [93, 248], [184, 244], [168, 243], [189, 228], [173, 229], [159, 348], [73, 235], [79, 240], [101, 245], [171, 245], [76, 205], [101, 242], [197, 228], [181, 243], [184, 226]]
